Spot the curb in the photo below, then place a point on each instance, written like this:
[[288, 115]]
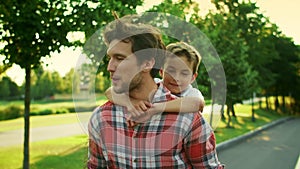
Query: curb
[[226, 144]]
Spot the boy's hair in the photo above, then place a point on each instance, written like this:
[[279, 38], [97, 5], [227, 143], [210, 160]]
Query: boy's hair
[[182, 49], [141, 36]]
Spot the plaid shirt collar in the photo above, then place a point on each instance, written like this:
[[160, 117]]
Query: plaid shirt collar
[[162, 94]]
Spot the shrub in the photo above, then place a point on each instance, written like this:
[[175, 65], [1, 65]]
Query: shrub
[[62, 111], [46, 112], [11, 112]]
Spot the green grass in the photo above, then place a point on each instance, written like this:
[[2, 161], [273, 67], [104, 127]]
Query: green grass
[[243, 122], [66, 153]]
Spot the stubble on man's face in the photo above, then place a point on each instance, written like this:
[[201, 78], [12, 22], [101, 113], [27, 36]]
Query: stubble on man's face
[[127, 87], [136, 82]]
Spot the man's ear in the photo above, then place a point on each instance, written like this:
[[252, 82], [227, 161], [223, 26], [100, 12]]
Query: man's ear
[[148, 65], [194, 77]]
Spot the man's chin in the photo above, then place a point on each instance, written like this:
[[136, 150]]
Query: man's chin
[[117, 90]]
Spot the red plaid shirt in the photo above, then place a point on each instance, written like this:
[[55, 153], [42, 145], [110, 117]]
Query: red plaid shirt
[[168, 140]]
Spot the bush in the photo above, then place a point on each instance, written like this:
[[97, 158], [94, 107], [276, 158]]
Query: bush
[[11, 112], [62, 111], [46, 112], [49, 111]]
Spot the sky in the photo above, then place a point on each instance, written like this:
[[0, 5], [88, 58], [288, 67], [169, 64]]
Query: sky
[[285, 14]]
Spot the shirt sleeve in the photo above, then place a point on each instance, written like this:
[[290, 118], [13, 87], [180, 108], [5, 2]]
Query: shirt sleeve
[[193, 92], [200, 145], [96, 159], [157, 80]]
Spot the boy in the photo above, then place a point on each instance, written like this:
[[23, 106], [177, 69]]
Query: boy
[[179, 71]]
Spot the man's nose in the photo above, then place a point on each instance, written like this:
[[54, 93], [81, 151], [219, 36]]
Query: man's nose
[[111, 67]]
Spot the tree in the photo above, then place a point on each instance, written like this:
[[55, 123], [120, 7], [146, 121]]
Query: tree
[[90, 17], [3, 68], [284, 66], [4, 86], [232, 49], [30, 30], [258, 33], [57, 83]]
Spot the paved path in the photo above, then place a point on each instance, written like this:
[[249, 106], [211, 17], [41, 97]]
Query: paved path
[[275, 148], [15, 137]]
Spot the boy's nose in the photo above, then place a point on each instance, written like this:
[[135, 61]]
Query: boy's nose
[[177, 77]]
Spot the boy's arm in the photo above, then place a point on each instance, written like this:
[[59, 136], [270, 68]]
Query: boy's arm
[[135, 107], [184, 104], [120, 99]]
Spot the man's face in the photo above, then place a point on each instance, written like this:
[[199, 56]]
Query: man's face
[[177, 74], [123, 67]]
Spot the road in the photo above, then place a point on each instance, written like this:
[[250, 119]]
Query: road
[[275, 148]]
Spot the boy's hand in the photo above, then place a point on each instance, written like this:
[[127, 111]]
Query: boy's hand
[[138, 110], [144, 116]]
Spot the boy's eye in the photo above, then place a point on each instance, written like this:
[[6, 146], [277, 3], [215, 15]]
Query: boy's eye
[[170, 71], [186, 73]]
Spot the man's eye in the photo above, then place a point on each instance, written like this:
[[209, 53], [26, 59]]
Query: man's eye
[[120, 58]]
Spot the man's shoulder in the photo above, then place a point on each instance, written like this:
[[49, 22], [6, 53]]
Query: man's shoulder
[[106, 107]]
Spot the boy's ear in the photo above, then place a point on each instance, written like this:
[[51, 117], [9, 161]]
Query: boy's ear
[[161, 72], [194, 77]]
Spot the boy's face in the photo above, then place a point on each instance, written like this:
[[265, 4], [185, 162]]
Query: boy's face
[[177, 74], [123, 67]]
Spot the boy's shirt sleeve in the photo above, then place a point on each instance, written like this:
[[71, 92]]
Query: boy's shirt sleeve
[[157, 80], [193, 92]]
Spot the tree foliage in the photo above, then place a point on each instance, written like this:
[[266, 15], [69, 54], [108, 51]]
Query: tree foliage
[[9, 90]]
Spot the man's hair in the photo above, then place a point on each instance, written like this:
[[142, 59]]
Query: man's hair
[[142, 36], [182, 49]]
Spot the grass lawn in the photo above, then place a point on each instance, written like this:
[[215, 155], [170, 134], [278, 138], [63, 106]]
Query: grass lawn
[[71, 152], [243, 123], [65, 153]]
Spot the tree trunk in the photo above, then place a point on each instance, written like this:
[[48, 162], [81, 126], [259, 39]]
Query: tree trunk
[[267, 102], [252, 109], [229, 117], [283, 104], [26, 118], [276, 103], [232, 110], [222, 112]]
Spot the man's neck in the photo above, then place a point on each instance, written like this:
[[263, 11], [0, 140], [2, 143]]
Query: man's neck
[[145, 91]]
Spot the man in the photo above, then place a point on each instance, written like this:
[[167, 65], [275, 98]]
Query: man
[[168, 140]]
